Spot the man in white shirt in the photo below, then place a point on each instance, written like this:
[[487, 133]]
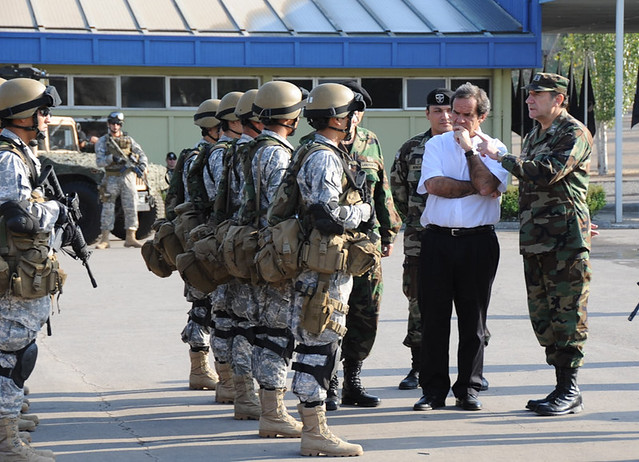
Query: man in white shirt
[[460, 251]]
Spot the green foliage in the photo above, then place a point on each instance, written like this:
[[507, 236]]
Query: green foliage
[[595, 198], [600, 50], [510, 204]]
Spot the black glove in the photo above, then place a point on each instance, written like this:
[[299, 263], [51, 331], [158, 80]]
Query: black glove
[[324, 221], [18, 218], [118, 159], [63, 214]]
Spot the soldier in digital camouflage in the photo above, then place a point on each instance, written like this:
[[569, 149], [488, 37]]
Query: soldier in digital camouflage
[[555, 232], [404, 179]]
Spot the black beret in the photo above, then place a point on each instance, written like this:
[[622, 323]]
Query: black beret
[[357, 88], [439, 97]]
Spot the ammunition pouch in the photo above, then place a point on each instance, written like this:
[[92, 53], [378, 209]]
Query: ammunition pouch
[[188, 217], [239, 247], [194, 273], [278, 257], [318, 307], [325, 254], [168, 243], [155, 261], [363, 253]]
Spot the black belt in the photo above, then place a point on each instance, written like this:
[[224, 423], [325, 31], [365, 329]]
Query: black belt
[[456, 232]]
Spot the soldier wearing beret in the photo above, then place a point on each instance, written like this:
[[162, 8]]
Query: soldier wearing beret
[[555, 232]]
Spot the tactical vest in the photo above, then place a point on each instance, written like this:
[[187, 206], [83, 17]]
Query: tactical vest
[[125, 143]]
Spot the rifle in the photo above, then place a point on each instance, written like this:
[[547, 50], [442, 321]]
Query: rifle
[[634, 312], [52, 189], [127, 161]]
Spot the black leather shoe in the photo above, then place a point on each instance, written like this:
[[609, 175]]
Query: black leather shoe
[[484, 384], [411, 381], [468, 403], [428, 403]]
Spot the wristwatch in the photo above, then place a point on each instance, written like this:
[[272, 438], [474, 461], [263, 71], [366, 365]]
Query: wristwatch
[[469, 153]]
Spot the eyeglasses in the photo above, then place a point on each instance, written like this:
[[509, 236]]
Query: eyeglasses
[[44, 111]]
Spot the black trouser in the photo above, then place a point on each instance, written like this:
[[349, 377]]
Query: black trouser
[[459, 269]]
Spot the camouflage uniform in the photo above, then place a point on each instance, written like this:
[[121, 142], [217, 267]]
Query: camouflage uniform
[[274, 300], [553, 173], [404, 178], [320, 182], [117, 182], [20, 319], [366, 296]]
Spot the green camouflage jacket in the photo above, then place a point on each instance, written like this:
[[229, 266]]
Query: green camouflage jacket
[[553, 173], [367, 151], [404, 178]]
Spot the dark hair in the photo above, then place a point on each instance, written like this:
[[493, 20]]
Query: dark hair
[[468, 90], [171, 156], [319, 123], [564, 104]]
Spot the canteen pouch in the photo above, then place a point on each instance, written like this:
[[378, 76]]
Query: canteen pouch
[[363, 254], [194, 273], [208, 252], [167, 242], [238, 249], [279, 247], [324, 254], [155, 260], [187, 219], [35, 280]]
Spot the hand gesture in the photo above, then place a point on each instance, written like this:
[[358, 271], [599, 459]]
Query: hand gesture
[[462, 137], [487, 146]]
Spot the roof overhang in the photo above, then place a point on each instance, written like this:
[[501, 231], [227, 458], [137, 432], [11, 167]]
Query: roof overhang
[[587, 16]]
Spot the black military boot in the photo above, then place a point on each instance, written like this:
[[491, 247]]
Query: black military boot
[[411, 381], [568, 397], [533, 403], [331, 394], [353, 393]]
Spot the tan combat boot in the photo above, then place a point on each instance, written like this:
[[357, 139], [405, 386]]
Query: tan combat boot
[[202, 376], [275, 420], [318, 439], [12, 448], [27, 424], [225, 390], [130, 240], [104, 241], [247, 404]]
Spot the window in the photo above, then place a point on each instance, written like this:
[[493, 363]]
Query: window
[[418, 89], [385, 93], [307, 84], [94, 91], [60, 84], [225, 86], [143, 92], [484, 84], [189, 92]]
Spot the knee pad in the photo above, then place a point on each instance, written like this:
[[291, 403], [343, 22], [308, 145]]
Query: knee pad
[[25, 363], [262, 340], [200, 313], [321, 373]]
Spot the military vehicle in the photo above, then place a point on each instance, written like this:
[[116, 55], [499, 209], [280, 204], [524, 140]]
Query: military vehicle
[[79, 173]]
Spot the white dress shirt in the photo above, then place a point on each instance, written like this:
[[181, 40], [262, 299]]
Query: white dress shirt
[[444, 157]]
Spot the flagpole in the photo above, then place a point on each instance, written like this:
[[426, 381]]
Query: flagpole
[[618, 112], [584, 85]]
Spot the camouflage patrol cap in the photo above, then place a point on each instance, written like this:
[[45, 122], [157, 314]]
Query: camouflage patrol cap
[[545, 81], [439, 97]]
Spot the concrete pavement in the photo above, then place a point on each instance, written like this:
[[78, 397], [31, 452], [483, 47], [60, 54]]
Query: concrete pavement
[[111, 383]]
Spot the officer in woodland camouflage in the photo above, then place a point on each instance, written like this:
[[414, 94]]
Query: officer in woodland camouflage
[[25, 217], [278, 105], [122, 159], [197, 332], [404, 177], [554, 236], [366, 297], [332, 209]]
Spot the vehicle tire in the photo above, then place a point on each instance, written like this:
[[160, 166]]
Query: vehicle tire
[[145, 219], [90, 207]]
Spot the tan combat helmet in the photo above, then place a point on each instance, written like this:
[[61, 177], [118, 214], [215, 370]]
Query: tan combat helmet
[[332, 100], [20, 98], [205, 115], [279, 100], [2, 80], [228, 103], [244, 108]]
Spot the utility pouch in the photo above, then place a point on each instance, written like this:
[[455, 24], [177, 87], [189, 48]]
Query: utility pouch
[[363, 253], [318, 308], [155, 261], [187, 218], [35, 280], [278, 257], [167, 242], [238, 249], [195, 273], [5, 276], [324, 254], [208, 253]]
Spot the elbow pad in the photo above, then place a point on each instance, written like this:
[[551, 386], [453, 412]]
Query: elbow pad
[[18, 218], [324, 221]]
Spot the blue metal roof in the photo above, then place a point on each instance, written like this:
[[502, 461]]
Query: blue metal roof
[[274, 33]]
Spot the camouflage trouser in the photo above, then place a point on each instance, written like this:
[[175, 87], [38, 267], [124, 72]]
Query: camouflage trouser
[[124, 187], [197, 332], [242, 303], [273, 343], [20, 322], [558, 286], [222, 338], [410, 288], [317, 353], [363, 315]]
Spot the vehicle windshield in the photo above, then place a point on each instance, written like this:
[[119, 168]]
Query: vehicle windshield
[[62, 137]]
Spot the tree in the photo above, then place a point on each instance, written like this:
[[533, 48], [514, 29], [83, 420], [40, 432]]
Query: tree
[[599, 49]]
